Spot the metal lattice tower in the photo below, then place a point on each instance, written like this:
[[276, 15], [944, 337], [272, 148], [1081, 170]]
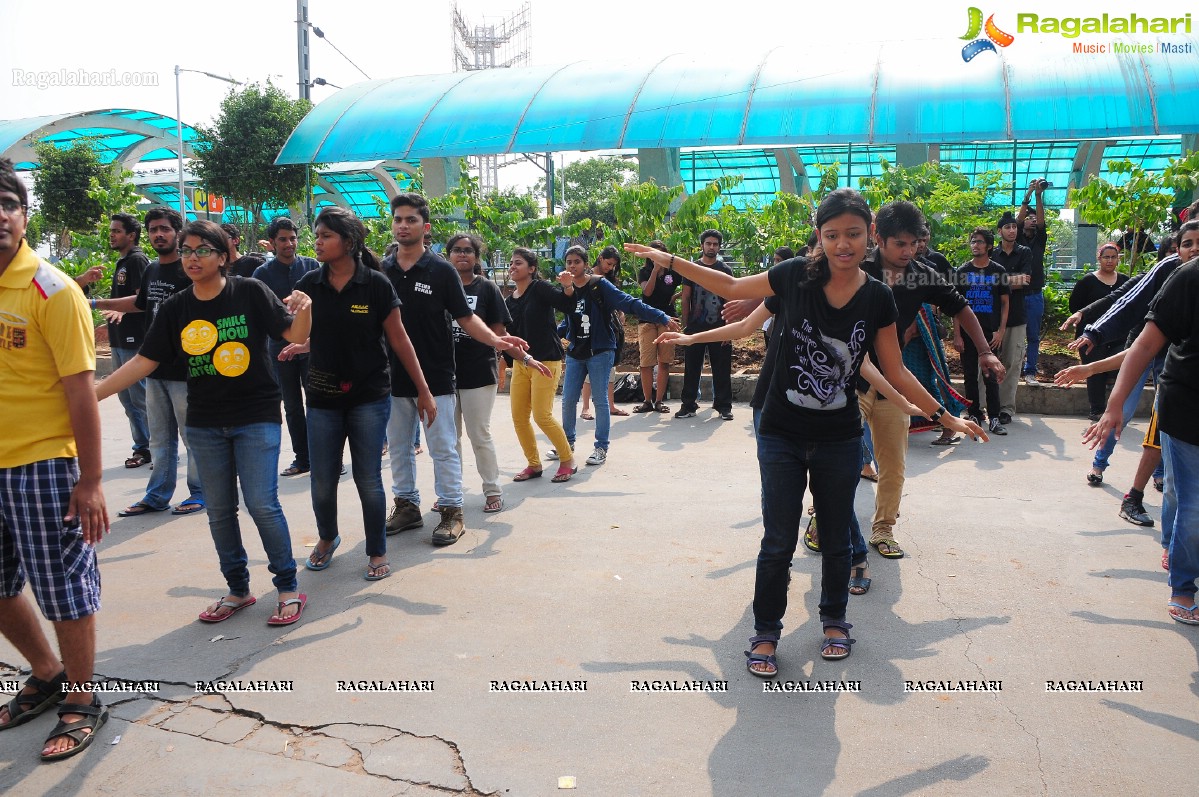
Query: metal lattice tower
[[490, 46]]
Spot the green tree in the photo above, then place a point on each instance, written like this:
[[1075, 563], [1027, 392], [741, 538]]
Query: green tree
[[62, 182], [1141, 201], [236, 156], [586, 181]]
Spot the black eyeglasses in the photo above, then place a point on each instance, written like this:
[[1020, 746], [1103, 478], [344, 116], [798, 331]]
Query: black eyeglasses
[[10, 206], [458, 250], [199, 251]]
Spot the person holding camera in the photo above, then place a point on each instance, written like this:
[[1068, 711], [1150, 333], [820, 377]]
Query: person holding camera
[[1033, 235]]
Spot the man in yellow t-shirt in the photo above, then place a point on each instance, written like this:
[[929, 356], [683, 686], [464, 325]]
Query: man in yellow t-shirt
[[52, 510]]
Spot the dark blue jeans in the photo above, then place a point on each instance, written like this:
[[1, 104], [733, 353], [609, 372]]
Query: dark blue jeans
[[247, 454], [788, 467], [292, 375], [365, 426]]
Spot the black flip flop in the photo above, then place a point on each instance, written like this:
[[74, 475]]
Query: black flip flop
[[140, 508]]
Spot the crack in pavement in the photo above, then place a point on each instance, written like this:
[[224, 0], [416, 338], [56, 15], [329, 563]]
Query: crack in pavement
[[359, 747]]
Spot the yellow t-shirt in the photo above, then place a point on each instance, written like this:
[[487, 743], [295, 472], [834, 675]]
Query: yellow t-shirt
[[46, 333]]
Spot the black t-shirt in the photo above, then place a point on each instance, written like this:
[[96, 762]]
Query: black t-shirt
[[431, 296], [703, 306], [533, 318], [763, 383], [159, 282], [920, 284], [1019, 261], [474, 361], [130, 331], [1090, 289], [665, 288], [245, 265], [812, 393], [1175, 310], [347, 360], [940, 263], [580, 327], [982, 288], [1037, 244], [222, 344]]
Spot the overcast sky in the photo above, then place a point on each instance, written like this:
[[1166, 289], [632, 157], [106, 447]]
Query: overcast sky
[[253, 40]]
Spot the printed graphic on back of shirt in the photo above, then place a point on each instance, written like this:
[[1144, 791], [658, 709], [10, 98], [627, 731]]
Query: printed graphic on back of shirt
[[205, 358], [822, 367]]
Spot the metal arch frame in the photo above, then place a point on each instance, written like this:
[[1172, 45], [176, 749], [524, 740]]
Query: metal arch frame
[[23, 151]]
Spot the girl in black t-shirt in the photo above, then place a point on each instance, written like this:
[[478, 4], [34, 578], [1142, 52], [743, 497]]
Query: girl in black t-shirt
[[1092, 287], [219, 327], [830, 314], [535, 379]]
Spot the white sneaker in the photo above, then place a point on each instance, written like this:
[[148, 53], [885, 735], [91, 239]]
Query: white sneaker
[[552, 454], [1029, 379], [598, 457]]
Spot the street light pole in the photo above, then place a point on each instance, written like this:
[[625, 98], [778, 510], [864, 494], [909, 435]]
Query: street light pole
[[179, 125]]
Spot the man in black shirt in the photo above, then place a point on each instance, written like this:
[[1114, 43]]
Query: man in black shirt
[[1017, 262], [931, 256], [658, 288], [126, 331], [1033, 235], [431, 296], [240, 265], [166, 388], [898, 226], [701, 311]]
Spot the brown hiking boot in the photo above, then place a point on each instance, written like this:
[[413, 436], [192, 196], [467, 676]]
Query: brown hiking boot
[[404, 516], [451, 526]]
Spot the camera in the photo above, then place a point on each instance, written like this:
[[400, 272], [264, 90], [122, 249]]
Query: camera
[[1044, 184]]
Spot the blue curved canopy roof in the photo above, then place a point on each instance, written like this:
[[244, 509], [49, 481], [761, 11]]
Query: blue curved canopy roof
[[127, 135], [890, 93]]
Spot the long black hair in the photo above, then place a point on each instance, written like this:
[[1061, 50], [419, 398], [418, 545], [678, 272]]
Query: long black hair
[[838, 203], [530, 257], [343, 222]]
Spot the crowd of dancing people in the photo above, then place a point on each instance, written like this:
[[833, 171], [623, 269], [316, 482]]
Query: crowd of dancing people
[[220, 350]]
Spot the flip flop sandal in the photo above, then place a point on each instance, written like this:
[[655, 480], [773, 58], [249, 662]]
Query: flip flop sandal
[[138, 459], [1188, 615], [212, 617], [859, 584], [564, 474], [893, 550], [1166, 559], [810, 540], [526, 474], [323, 560], [24, 707], [277, 619], [94, 717], [762, 658], [293, 470], [140, 508], [587, 416], [189, 507], [870, 477], [372, 571], [618, 411], [832, 642], [495, 503]]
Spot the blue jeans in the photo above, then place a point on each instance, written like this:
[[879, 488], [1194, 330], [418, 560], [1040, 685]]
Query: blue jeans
[[133, 399], [442, 440], [292, 376], [365, 426], [166, 412], [1034, 306], [1104, 453], [597, 368], [1180, 513], [787, 467], [247, 454]]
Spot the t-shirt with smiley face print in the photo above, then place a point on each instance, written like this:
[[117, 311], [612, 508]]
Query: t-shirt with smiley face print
[[223, 344]]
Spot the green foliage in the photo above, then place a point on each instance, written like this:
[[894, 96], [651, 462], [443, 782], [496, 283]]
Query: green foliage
[[1142, 201], [588, 181], [236, 156], [1057, 301], [952, 206], [62, 182]]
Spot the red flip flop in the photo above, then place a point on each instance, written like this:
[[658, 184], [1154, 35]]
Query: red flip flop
[[301, 601]]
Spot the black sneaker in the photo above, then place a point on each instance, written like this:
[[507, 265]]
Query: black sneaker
[[1134, 512], [996, 426], [1005, 418], [685, 413], [727, 415]]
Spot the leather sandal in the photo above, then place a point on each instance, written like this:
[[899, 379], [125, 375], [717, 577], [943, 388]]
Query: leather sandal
[[94, 717], [24, 707], [831, 643], [762, 658], [859, 584]]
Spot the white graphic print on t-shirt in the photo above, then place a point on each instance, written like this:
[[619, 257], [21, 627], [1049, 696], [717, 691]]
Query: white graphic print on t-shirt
[[824, 366]]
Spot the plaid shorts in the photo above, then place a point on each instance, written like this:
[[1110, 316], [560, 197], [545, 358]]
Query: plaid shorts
[[36, 545]]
